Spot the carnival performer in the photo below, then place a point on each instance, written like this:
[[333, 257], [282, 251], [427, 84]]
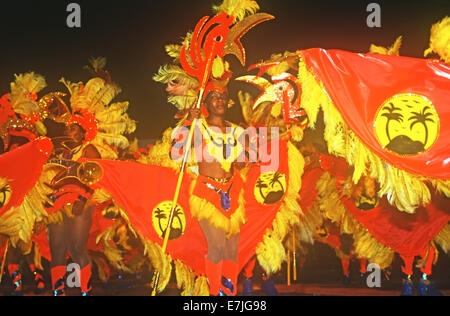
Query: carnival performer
[[216, 191], [73, 233], [20, 123], [92, 130], [425, 284]]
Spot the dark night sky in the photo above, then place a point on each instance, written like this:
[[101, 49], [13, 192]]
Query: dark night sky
[[132, 34]]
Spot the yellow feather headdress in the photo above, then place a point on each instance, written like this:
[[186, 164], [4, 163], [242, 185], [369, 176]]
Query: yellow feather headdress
[[112, 120], [440, 39], [394, 50]]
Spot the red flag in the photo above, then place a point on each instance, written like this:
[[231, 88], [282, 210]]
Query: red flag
[[397, 106], [406, 234], [146, 192], [19, 171]]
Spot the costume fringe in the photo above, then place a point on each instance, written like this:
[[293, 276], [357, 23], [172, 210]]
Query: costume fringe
[[443, 239], [18, 223], [404, 190], [202, 209]]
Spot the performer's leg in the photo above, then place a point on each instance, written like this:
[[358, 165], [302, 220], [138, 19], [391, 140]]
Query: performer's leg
[[58, 250], [426, 286], [230, 265], [249, 267], [345, 263], [407, 269], [77, 231], [38, 275], [248, 274], [13, 263], [215, 239]]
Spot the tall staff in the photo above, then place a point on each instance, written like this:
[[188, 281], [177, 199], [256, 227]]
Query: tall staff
[[183, 165]]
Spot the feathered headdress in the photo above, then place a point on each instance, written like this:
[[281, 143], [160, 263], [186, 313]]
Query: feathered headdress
[[440, 39], [105, 123], [20, 112], [394, 50], [198, 61]]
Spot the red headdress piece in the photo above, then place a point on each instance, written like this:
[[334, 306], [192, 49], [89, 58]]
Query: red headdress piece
[[87, 121]]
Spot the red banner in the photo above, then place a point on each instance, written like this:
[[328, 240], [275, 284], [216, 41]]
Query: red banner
[[406, 234], [397, 106], [146, 192], [19, 171]]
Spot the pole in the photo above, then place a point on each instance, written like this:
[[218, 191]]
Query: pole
[[4, 261], [294, 260], [183, 166]]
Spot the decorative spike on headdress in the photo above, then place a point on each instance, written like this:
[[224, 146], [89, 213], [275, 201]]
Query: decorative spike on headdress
[[201, 55]]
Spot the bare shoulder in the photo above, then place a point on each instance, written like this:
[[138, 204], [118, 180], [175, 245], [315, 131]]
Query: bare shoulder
[[90, 151]]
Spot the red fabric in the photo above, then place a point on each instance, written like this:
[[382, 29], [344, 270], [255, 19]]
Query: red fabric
[[308, 192], [139, 188], [406, 234], [248, 269], [57, 273], [345, 266], [22, 168], [230, 270], [358, 84], [234, 187], [85, 277], [214, 274], [362, 265], [428, 268], [13, 268], [41, 241], [259, 217]]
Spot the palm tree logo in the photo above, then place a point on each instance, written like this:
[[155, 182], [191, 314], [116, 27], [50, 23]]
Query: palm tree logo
[[422, 117], [5, 194], [407, 124], [391, 115], [270, 188], [160, 219]]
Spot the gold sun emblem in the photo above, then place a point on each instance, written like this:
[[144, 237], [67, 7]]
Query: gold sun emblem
[[270, 188], [5, 193], [160, 220], [407, 124]]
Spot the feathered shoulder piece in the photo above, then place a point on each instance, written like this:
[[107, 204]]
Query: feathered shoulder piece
[[24, 93], [440, 39]]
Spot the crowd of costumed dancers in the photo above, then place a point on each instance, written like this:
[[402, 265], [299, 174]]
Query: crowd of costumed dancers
[[341, 148]]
